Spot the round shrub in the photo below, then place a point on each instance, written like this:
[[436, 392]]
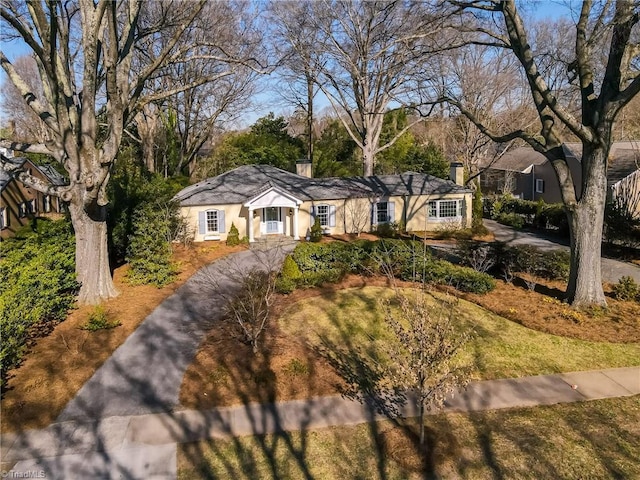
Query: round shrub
[[512, 219], [290, 268], [469, 280]]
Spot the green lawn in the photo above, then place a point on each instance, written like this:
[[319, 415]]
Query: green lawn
[[594, 440], [500, 348]]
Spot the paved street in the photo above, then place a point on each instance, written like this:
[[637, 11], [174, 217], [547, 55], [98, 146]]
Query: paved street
[[612, 270]]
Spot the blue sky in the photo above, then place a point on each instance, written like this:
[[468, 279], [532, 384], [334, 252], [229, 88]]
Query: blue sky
[[538, 8]]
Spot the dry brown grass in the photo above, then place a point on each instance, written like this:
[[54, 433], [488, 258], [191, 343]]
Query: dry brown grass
[[58, 365]]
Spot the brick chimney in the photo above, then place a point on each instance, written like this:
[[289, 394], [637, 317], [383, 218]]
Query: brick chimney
[[303, 168], [456, 173]]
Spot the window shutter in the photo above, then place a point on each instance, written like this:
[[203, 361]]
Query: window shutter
[[391, 212], [221, 225], [202, 222], [374, 214], [332, 215], [313, 214]]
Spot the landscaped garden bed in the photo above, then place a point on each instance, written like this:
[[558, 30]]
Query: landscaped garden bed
[[289, 364], [56, 366]]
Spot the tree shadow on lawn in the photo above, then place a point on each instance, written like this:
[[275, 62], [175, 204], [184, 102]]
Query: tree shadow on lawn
[[573, 441], [542, 289], [258, 439]]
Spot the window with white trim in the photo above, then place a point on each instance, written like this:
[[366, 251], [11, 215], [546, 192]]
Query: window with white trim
[[322, 213], [444, 209], [539, 185], [4, 218], [22, 209], [382, 212], [212, 221], [33, 205], [46, 203]]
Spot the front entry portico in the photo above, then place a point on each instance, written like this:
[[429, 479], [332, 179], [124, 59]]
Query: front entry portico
[[278, 212]]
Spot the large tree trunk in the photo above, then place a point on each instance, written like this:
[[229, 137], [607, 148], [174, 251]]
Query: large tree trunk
[[586, 222], [368, 156], [92, 256]]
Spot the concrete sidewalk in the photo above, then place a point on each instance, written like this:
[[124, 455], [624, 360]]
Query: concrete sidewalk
[[145, 446]]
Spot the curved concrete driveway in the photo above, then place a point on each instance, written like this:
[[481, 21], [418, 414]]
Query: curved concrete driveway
[[145, 373], [612, 270]]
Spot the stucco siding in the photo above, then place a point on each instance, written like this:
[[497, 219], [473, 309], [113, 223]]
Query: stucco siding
[[352, 215]]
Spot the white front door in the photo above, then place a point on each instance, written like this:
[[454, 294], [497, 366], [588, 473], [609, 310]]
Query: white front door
[[272, 219]]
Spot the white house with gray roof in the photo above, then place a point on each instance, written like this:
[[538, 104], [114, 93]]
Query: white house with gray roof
[[262, 200]]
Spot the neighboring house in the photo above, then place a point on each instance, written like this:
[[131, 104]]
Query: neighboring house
[[527, 174], [19, 204], [623, 175], [262, 200]]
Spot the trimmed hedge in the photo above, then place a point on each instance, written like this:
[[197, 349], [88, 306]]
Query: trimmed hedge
[[407, 260], [518, 213], [512, 219]]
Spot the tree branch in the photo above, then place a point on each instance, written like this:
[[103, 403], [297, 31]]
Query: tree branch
[[19, 172], [28, 95]]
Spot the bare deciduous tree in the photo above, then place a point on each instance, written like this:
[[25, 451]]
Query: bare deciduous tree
[[369, 53], [95, 57], [425, 350], [27, 126], [297, 40], [245, 289], [603, 75], [357, 214]]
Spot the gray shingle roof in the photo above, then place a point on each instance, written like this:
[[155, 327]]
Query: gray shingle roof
[[50, 173], [243, 183], [521, 158], [5, 177]]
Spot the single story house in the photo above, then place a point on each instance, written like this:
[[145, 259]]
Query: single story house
[[527, 174], [263, 200], [19, 204]]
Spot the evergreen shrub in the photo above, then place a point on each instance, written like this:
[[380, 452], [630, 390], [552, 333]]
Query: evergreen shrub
[[626, 289], [37, 286], [149, 252], [233, 237], [316, 231]]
